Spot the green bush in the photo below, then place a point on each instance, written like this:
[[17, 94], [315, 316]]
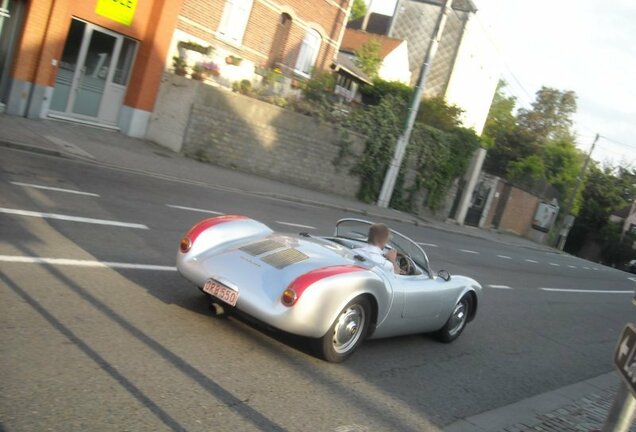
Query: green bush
[[374, 94], [320, 87]]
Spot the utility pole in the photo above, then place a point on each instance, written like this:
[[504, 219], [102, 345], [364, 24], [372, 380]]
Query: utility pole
[[403, 140], [567, 224]]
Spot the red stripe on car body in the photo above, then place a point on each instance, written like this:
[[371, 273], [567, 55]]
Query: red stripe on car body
[[302, 282], [196, 230]]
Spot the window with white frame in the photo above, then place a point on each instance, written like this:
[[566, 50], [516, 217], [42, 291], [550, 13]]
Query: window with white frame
[[234, 20], [308, 52]]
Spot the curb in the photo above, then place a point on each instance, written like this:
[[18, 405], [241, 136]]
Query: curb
[[413, 220], [528, 413]]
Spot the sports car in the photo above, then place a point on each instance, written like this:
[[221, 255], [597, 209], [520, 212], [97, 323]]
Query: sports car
[[320, 288]]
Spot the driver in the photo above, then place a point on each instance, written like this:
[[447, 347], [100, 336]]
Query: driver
[[377, 239]]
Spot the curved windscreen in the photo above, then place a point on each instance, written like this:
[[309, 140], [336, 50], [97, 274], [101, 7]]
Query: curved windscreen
[[357, 229]]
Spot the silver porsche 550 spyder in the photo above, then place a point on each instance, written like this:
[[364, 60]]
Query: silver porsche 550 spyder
[[320, 287]]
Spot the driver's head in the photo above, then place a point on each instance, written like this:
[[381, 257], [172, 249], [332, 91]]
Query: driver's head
[[378, 235]]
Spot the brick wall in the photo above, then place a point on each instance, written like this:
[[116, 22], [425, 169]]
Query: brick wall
[[201, 18], [513, 210], [238, 132]]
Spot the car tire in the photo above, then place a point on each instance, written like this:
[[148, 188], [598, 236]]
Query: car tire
[[456, 322], [347, 332]]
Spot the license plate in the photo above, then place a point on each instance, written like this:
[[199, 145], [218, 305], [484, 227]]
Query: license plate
[[221, 292]]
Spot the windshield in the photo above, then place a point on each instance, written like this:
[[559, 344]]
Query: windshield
[[357, 229]]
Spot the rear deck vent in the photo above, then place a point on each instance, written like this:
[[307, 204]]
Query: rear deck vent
[[285, 258], [261, 247]]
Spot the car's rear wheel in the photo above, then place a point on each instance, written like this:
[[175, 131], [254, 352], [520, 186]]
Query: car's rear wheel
[[347, 331], [456, 322]]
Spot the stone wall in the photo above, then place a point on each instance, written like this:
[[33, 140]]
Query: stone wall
[[243, 133]]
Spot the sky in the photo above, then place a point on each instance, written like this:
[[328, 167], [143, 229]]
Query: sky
[[587, 46]]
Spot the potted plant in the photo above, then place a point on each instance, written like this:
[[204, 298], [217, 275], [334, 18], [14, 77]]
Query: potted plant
[[197, 72], [179, 65], [233, 60], [193, 46], [210, 69]]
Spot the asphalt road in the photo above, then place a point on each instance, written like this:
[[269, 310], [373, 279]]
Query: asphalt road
[[130, 345]]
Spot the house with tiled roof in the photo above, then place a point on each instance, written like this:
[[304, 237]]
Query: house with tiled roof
[[393, 52]]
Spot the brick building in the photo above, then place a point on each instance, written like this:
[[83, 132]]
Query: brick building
[[101, 61], [294, 36], [94, 61]]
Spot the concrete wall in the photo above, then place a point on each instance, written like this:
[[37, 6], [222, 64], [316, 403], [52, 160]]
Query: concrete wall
[[242, 133]]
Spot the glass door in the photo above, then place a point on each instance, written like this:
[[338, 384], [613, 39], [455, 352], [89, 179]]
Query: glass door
[[92, 74]]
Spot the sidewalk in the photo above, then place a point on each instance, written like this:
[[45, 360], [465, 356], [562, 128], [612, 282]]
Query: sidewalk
[[110, 148], [580, 407]]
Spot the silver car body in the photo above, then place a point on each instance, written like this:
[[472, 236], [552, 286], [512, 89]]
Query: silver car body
[[259, 264]]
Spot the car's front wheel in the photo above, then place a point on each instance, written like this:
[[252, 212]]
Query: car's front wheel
[[456, 322], [347, 331]]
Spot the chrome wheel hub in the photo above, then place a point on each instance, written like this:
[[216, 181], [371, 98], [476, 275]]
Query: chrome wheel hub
[[348, 329], [458, 318]]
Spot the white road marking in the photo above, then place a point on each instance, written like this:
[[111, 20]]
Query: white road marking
[[587, 291], [499, 286], [296, 225], [194, 209], [82, 263], [555, 264], [531, 261], [571, 266], [586, 268], [72, 218], [427, 244], [469, 251], [76, 192], [503, 257], [633, 279]]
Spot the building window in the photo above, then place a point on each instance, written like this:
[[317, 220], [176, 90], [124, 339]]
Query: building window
[[234, 20], [308, 52]]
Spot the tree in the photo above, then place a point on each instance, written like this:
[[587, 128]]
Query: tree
[[358, 10], [368, 57], [500, 119], [551, 115], [606, 191]]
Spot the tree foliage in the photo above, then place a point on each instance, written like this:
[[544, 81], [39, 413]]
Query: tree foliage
[[358, 10], [606, 191], [368, 57], [534, 148], [550, 117], [374, 94]]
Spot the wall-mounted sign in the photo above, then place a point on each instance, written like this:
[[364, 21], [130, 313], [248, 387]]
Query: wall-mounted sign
[[545, 216], [121, 11]]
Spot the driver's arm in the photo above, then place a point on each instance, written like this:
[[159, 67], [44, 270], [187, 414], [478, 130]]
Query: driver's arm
[[392, 257]]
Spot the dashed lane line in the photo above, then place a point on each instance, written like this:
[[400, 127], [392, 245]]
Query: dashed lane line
[[427, 244], [469, 251], [194, 209], [71, 218], [555, 265], [82, 263], [504, 257], [531, 261], [571, 266], [587, 291], [295, 225], [499, 287], [55, 189]]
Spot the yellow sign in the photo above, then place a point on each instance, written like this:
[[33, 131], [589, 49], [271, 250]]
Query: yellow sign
[[121, 11]]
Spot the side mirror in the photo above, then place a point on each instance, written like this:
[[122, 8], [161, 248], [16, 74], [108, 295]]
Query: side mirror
[[444, 275]]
